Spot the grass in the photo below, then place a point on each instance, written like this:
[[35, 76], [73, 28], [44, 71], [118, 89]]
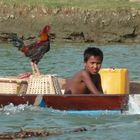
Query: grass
[[83, 4]]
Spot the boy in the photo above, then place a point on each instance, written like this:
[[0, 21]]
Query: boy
[[88, 80]]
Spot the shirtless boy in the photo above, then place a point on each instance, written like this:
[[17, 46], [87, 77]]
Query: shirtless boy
[[88, 80]]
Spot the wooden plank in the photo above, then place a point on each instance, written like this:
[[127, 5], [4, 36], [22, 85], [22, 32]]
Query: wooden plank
[[71, 102], [134, 87], [85, 102]]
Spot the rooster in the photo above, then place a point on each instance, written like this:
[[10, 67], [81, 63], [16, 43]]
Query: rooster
[[35, 51]]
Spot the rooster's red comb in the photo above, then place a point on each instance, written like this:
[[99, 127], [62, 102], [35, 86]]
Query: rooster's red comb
[[46, 28]]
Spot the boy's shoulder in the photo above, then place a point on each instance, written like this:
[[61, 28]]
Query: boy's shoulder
[[82, 72], [79, 74]]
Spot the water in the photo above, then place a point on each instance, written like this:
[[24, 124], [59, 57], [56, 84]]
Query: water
[[134, 107], [64, 60]]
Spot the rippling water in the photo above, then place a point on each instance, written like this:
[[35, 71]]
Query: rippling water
[[64, 60]]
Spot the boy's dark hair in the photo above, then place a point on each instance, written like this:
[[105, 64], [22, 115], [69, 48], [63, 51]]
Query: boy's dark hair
[[92, 51]]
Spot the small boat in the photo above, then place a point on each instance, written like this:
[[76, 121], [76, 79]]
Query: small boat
[[46, 91], [69, 102]]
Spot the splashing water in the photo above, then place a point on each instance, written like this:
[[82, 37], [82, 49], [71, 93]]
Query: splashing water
[[12, 109], [134, 104]]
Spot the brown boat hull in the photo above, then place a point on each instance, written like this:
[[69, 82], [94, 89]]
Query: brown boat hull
[[69, 102]]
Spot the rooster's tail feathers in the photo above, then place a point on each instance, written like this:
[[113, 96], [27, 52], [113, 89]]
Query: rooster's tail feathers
[[17, 42]]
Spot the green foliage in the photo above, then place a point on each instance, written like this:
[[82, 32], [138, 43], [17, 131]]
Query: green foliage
[[83, 4]]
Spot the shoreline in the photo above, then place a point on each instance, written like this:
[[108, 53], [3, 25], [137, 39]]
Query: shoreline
[[72, 24]]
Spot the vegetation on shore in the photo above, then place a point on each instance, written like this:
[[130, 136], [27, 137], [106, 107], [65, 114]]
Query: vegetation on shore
[[82, 4], [102, 21]]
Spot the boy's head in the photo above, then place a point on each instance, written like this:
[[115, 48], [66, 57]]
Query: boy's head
[[93, 58], [92, 51]]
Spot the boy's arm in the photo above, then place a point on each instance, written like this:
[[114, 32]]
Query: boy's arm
[[88, 81], [100, 84]]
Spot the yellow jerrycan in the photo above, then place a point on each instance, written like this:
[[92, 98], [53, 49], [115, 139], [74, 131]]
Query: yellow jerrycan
[[114, 80]]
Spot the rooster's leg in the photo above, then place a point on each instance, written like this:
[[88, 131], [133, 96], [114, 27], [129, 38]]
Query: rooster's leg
[[33, 68], [36, 69]]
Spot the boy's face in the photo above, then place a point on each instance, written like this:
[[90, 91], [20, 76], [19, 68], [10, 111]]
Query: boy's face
[[93, 64]]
